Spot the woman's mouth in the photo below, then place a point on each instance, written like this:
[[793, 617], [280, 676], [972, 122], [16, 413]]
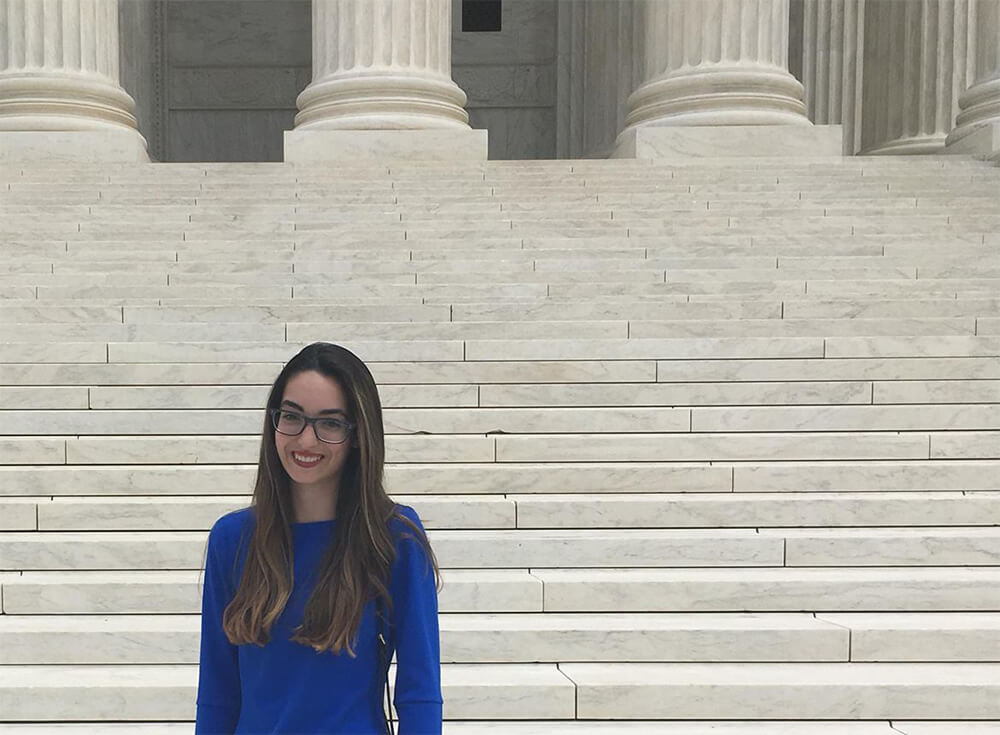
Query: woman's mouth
[[306, 460]]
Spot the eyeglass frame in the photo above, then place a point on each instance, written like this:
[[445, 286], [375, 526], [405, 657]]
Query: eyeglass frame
[[274, 423]]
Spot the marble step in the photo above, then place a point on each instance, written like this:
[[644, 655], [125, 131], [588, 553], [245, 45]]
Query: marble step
[[587, 727], [674, 305], [412, 193], [966, 214], [637, 272], [565, 691], [931, 372], [529, 548], [556, 637], [539, 511], [550, 309], [925, 265], [452, 350], [856, 690], [549, 349], [458, 181], [688, 243], [964, 475], [618, 590], [169, 260], [528, 329], [662, 433], [606, 394]]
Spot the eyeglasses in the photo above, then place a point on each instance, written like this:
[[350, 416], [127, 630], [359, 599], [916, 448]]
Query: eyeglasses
[[290, 423]]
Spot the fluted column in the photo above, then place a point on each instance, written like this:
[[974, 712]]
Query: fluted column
[[59, 67], [381, 65], [915, 67], [599, 66], [980, 103], [832, 53], [716, 62]]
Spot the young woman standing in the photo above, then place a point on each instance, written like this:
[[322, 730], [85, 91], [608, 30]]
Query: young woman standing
[[290, 632]]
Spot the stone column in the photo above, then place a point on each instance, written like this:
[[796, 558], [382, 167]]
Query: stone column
[[381, 65], [915, 67], [980, 103], [711, 63], [599, 66], [717, 62], [833, 33], [60, 95]]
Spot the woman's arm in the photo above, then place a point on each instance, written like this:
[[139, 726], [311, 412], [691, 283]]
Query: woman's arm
[[218, 701], [417, 696]]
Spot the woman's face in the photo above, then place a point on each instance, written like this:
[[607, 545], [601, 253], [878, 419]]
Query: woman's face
[[313, 394]]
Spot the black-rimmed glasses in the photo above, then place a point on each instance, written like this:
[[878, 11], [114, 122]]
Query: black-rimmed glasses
[[292, 423]]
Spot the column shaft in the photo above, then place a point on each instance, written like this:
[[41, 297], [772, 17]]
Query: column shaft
[[980, 102], [716, 62], [59, 67], [832, 52], [599, 65], [381, 65], [915, 67]]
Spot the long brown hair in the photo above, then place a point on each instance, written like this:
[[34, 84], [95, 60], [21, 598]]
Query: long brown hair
[[361, 557]]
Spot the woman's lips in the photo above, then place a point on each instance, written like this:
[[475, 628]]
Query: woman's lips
[[306, 465]]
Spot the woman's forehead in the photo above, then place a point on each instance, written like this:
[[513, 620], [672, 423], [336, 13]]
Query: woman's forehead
[[314, 392]]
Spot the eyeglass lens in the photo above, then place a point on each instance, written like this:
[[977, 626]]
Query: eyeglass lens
[[331, 430]]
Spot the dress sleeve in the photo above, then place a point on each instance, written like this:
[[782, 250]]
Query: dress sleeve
[[218, 700], [417, 695]]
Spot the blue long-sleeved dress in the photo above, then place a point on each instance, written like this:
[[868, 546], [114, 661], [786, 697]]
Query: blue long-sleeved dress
[[289, 688]]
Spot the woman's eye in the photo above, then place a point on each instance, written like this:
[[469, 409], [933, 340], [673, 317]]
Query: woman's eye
[[332, 423]]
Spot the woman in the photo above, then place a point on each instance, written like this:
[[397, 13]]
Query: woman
[[289, 642]]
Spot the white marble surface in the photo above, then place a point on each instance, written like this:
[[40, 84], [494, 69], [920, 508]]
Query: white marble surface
[[965, 444], [844, 475], [32, 451], [847, 418], [304, 146], [562, 477], [71, 146], [856, 691], [786, 509], [127, 480], [890, 547], [750, 590], [686, 142], [675, 394], [710, 447], [920, 636]]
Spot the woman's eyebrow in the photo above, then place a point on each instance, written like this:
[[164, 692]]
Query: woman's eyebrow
[[293, 404]]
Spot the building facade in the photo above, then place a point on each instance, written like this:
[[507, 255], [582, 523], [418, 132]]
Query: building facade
[[222, 80]]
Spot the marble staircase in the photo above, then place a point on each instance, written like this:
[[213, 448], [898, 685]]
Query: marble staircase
[[701, 448]]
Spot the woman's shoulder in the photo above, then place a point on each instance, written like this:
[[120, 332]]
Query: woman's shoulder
[[228, 527], [403, 521]]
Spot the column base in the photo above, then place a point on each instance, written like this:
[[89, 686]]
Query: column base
[[317, 146], [982, 142], [710, 141], [72, 146]]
